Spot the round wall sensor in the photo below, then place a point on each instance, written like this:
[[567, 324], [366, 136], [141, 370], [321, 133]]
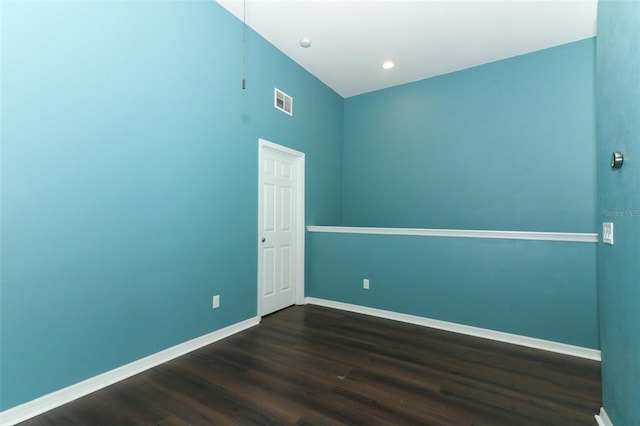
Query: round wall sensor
[[617, 159], [305, 42]]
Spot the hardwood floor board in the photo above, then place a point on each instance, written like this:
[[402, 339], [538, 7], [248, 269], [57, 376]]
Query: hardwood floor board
[[56, 417], [181, 406], [407, 377], [539, 378], [417, 405], [453, 368], [304, 319], [483, 381], [310, 365], [339, 348], [546, 366], [390, 330], [207, 402], [439, 398], [524, 407], [370, 410], [124, 397], [307, 359], [297, 397], [173, 421], [289, 370], [322, 403], [260, 391], [283, 336], [476, 349], [341, 343], [287, 379], [88, 411], [329, 352], [278, 384], [240, 400], [312, 418], [405, 347]]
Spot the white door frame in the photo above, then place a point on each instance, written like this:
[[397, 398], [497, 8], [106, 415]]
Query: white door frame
[[299, 161]]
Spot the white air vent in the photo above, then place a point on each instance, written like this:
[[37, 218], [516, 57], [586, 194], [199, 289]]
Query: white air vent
[[283, 102]]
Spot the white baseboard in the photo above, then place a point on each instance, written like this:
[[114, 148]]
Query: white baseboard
[[500, 336], [602, 419], [55, 399]]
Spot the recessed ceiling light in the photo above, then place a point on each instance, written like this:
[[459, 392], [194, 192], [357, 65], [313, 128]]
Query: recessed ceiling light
[[305, 42], [387, 65]]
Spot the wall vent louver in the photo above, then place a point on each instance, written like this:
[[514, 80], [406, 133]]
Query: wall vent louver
[[283, 102]]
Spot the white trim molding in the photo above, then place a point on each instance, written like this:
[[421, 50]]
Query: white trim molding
[[515, 339], [60, 397], [603, 419], [574, 237]]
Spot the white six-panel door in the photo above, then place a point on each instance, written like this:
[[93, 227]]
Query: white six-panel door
[[279, 262]]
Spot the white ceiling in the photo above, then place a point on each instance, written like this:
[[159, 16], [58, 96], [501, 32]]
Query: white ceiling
[[351, 38]]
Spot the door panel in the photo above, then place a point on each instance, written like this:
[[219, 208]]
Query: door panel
[[269, 220], [269, 271], [285, 268]]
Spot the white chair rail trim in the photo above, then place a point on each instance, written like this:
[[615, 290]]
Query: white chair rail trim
[[574, 237]]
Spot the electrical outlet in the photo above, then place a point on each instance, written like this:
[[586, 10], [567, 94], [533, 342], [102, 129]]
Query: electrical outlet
[[607, 233], [365, 284], [216, 301]]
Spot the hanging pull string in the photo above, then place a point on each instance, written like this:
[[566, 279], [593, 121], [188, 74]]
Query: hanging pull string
[[244, 43]]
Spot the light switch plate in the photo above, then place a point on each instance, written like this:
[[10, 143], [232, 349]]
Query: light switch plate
[[607, 232]]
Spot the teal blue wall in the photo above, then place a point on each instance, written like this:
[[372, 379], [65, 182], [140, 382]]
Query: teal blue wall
[[129, 179], [509, 145], [539, 289], [618, 107]]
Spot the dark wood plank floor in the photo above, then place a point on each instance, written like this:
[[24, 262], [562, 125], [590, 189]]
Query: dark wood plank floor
[[317, 366]]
